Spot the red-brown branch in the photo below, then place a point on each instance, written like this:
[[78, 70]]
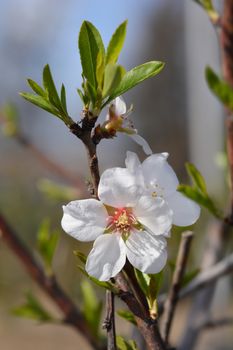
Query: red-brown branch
[[49, 285]]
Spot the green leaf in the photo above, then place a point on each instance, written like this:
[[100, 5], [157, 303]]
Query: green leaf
[[57, 192], [127, 315], [32, 309], [143, 281], [36, 88], [196, 176], [116, 43], [40, 102], [50, 87], [63, 98], [200, 198], [92, 307], [9, 119], [136, 76], [155, 285], [123, 344], [90, 46], [209, 8], [46, 243], [220, 88], [106, 285], [112, 78], [82, 257]]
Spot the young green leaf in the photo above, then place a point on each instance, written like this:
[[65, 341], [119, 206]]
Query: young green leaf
[[32, 309], [116, 43], [127, 315], [201, 198], [36, 88], [155, 285], [90, 46], [112, 78], [136, 76], [196, 176], [63, 99], [123, 344], [9, 119], [40, 102], [50, 87], [56, 192], [46, 243], [220, 88], [209, 8], [92, 307], [82, 257], [106, 285], [143, 280]]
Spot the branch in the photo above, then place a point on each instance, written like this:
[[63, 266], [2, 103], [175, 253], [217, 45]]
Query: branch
[[49, 285], [109, 322], [209, 276], [181, 262], [212, 324]]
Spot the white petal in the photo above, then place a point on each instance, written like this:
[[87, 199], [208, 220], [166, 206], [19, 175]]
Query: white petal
[[120, 106], [156, 170], [154, 214], [146, 252], [119, 188], [84, 219], [185, 211], [107, 257], [132, 162], [142, 142]]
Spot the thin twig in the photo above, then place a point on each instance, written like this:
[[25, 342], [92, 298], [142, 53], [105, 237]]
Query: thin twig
[[204, 280], [212, 324], [109, 322], [170, 304], [209, 276], [49, 285]]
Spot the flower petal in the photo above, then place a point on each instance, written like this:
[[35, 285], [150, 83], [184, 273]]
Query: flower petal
[[132, 162], [107, 257], [84, 219], [146, 252], [120, 106], [154, 214], [119, 188], [156, 170], [185, 211], [142, 142]]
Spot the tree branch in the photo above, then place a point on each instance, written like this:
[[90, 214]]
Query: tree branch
[[170, 304], [49, 285], [212, 324], [109, 322]]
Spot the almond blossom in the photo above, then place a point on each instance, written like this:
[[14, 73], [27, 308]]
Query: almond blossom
[[124, 223], [117, 120], [160, 181]]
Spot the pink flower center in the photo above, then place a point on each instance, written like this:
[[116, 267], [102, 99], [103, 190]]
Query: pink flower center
[[122, 221]]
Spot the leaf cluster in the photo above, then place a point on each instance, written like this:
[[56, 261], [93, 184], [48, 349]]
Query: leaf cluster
[[103, 78], [47, 97], [198, 191]]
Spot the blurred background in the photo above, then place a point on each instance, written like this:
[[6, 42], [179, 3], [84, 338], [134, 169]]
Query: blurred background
[[174, 111]]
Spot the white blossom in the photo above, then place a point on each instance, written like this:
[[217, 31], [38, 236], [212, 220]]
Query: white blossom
[[124, 223], [117, 120], [160, 181]]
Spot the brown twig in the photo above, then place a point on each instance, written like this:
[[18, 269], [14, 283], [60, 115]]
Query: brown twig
[[170, 304], [109, 322], [209, 276], [212, 324], [49, 285]]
